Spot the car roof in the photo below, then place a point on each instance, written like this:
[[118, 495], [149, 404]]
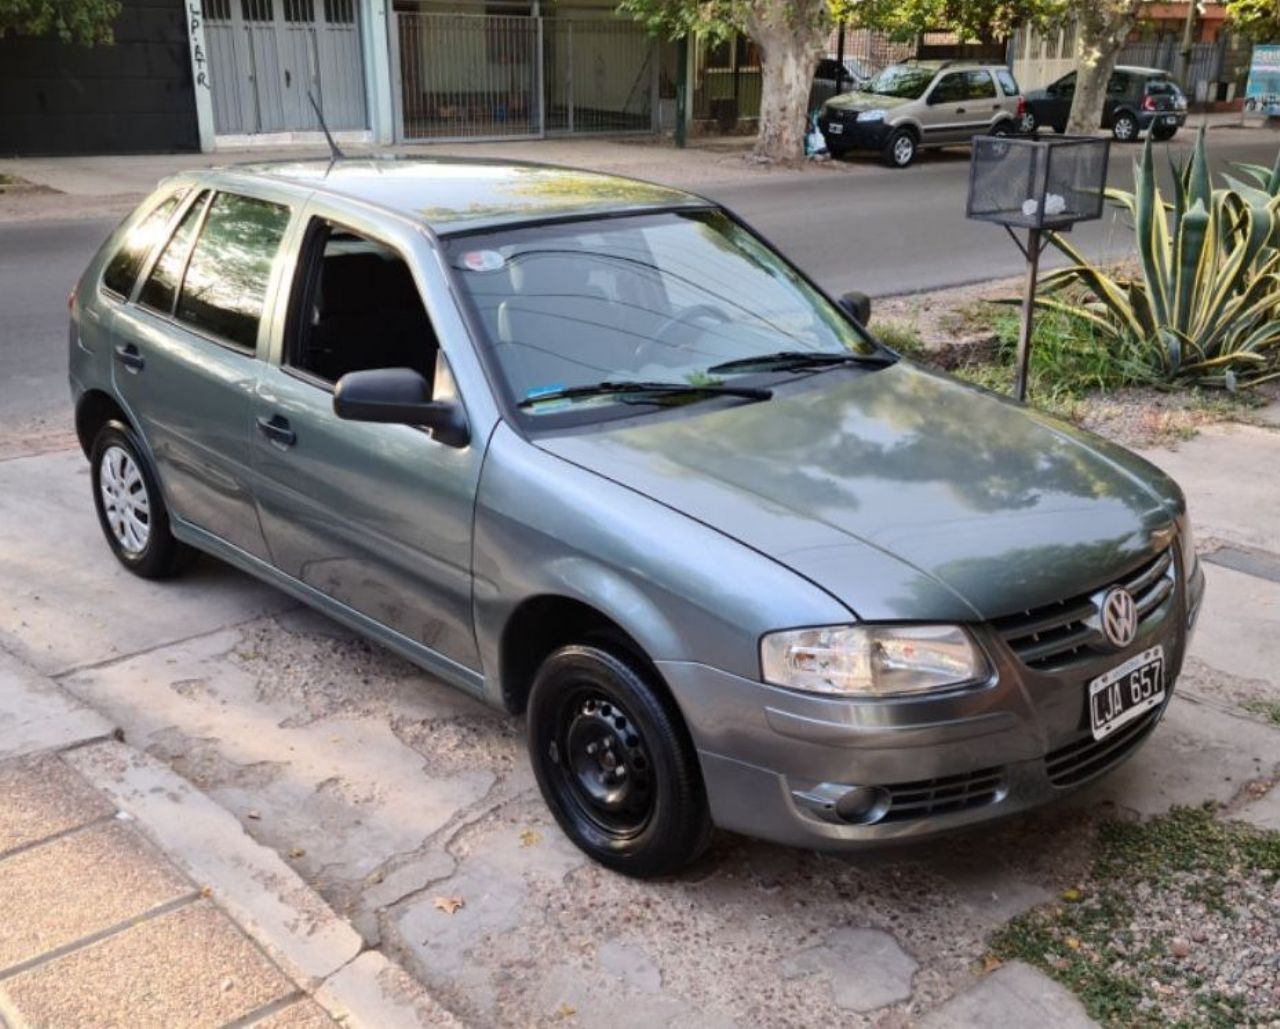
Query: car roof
[[452, 195], [1136, 69]]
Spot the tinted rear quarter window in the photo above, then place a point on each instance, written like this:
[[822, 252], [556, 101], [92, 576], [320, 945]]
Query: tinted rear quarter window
[[225, 288], [162, 284], [122, 270]]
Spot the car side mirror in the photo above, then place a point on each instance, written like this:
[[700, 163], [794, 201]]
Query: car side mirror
[[857, 306], [399, 396]]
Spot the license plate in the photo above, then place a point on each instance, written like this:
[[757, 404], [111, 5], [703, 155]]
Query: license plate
[[1126, 692], [835, 128], [1170, 119]]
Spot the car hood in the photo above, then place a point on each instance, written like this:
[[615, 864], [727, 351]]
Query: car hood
[[902, 492], [858, 101]]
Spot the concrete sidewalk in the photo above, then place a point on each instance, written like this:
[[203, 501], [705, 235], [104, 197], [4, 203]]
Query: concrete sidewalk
[[129, 898]]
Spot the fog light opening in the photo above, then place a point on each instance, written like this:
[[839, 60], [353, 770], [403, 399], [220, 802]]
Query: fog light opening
[[862, 805]]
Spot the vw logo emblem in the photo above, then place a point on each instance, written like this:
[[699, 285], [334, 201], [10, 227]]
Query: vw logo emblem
[[1119, 617]]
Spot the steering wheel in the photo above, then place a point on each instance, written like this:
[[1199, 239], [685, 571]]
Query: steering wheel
[[660, 339]]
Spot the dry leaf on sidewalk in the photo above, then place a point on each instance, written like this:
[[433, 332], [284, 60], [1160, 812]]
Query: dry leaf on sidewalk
[[448, 904], [529, 837]]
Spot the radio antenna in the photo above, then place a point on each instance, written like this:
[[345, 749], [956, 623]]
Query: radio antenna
[[334, 153]]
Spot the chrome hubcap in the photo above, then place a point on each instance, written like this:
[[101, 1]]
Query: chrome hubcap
[[124, 499], [903, 149], [1125, 128]]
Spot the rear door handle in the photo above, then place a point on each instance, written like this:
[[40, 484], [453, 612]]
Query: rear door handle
[[276, 429], [127, 354], [959, 110]]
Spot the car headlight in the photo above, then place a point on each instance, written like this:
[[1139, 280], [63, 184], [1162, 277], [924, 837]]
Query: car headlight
[[872, 660], [1188, 543], [875, 114]]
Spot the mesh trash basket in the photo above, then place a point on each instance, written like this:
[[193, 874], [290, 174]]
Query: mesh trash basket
[[1037, 183]]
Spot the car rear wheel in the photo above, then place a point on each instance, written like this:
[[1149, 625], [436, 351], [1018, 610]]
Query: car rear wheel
[[1029, 126], [1163, 132], [1125, 127], [615, 764], [900, 148], [130, 507]]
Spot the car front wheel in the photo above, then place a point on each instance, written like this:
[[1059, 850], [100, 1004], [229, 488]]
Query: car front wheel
[[615, 763], [130, 507], [900, 149]]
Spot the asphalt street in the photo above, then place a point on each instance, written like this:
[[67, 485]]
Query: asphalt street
[[878, 230]]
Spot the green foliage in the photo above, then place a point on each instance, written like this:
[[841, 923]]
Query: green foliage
[[75, 21], [1091, 943], [719, 19], [970, 19], [1257, 19], [1206, 305]]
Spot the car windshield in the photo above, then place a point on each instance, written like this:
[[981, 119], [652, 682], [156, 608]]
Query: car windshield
[[902, 80], [661, 298]]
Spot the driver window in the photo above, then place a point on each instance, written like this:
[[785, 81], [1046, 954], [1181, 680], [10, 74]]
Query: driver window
[[950, 88], [356, 307], [1065, 88]]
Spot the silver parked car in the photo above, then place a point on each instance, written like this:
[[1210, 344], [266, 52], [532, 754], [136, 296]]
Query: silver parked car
[[592, 451], [922, 104]]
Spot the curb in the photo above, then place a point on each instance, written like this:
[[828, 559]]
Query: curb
[[266, 899]]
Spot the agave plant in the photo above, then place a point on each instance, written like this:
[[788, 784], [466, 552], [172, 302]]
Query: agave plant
[[1207, 302]]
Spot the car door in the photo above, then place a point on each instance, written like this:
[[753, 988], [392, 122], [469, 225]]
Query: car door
[[376, 517], [1056, 107], [946, 110], [186, 363], [1120, 89], [986, 103]]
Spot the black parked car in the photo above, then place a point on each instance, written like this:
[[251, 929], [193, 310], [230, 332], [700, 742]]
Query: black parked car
[[1137, 99]]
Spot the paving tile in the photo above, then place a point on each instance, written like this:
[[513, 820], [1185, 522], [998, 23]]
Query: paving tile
[[190, 967], [302, 1014], [77, 885], [35, 712], [1013, 995], [40, 797]]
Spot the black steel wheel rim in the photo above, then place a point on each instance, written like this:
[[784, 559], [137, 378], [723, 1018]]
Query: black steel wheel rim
[[600, 758]]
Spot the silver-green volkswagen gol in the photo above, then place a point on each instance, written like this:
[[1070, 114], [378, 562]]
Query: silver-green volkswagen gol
[[591, 450]]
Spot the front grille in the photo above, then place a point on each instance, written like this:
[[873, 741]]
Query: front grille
[[948, 793], [1059, 633], [1088, 758]]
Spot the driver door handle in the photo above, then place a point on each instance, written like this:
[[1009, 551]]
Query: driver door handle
[[959, 110], [277, 430]]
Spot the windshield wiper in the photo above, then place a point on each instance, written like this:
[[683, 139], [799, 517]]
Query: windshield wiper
[[642, 389], [788, 360]]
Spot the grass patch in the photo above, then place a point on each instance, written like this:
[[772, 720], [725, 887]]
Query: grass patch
[[1268, 709], [1111, 942]]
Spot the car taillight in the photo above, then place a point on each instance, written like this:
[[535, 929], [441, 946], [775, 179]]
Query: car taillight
[[71, 297], [1148, 103], [1022, 106]]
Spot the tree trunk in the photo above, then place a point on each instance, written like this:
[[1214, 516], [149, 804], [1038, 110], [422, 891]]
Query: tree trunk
[[791, 35], [1102, 28]]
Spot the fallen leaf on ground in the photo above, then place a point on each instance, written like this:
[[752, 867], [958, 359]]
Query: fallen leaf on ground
[[297, 852], [990, 963], [529, 837], [448, 904], [1071, 895]]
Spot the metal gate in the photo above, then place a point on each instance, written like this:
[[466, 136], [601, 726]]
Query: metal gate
[[265, 55], [499, 76]]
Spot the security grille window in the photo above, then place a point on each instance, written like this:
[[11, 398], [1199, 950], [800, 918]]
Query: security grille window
[[299, 11], [340, 12], [122, 270], [225, 287], [980, 86], [217, 10], [257, 10], [162, 284]]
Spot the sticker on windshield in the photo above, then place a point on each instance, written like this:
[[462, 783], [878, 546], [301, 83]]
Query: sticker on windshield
[[483, 260]]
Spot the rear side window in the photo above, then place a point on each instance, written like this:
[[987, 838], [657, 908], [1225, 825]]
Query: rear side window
[[1008, 83], [225, 288], [1119, 84], [162, 284], [122, 270], [980, 85]]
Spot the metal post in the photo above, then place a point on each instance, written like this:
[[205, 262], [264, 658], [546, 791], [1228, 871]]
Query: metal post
[[840, 60], [682, 87], [1028, 315]]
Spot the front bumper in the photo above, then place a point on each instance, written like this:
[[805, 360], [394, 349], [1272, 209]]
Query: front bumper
[[843, 131], [774, 761]]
